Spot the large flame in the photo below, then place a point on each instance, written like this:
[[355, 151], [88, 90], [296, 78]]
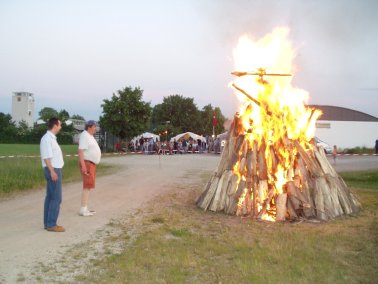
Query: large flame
[[277, 112]]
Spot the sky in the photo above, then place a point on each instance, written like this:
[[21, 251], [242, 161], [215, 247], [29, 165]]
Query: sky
[[73, 54]]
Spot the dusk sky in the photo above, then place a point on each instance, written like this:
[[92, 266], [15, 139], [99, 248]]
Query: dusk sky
[[73, 54]]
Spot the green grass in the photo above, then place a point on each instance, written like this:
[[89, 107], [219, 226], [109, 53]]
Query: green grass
[[24, 173], [31, 149], [364, 179], [178, 243]]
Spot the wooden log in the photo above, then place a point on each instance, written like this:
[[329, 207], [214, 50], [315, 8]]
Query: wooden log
[[310, 163], [328, 204], [348, 202], [227, 152], [356, 205], [281, 207], [290, 209], [293, 196], [254, 178], [319, 200], [223, 196], [324, 163], [234, 154], [201, 198], [217, 194], [235, 198], [210, 194], [262, 169], [231, 190], [273, 158], [262, 191], [265, 203], [333, 192], [307, 184]]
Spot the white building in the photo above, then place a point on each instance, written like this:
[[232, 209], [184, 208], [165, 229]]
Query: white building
[[346, 128], [23, 108]]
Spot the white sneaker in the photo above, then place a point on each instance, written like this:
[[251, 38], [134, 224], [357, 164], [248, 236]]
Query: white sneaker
[[85, 213]]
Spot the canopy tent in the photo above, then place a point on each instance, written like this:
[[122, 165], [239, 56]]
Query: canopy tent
[[222, 136], [146, 135], [188, 135]]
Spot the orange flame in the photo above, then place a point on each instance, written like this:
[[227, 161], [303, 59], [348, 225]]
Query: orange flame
[[277, 112]]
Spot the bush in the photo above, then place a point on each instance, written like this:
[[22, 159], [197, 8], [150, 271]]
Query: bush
[[358, 150]]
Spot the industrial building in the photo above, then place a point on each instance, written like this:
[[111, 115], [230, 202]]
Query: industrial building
[[346, 128]]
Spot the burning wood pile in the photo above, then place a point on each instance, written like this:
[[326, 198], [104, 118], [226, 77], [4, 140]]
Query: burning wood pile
[[270, 168]]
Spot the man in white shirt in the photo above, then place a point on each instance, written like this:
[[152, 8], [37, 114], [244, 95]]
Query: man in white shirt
[[52, 163], [89, 156]]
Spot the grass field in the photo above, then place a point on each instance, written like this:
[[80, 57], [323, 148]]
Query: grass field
[[31, 149], [24, 173], [175, 242]]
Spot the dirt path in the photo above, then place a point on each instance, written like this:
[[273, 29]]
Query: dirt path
[[24, 243]]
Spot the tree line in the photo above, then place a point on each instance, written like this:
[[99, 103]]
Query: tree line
[[124, 115]]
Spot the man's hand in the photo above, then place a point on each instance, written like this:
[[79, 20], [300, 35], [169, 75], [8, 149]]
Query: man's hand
[[53, 174]]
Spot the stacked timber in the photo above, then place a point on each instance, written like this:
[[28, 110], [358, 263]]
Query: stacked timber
[[241, 184]]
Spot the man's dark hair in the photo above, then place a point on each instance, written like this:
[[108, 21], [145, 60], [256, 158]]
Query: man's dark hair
[[52, 121]]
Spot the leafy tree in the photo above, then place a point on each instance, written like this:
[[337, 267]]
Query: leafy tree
[[22, 128], [125, 115], [76, 116], [206, 124], [181, 112], [63, 115], [5, 120], [8, 129], [46, 113]]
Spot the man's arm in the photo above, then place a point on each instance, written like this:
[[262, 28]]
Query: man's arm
[[81, 161], [53, 174]]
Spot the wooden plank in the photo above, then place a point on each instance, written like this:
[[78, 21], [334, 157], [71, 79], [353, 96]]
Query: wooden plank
[[214, 203], [319, 201]]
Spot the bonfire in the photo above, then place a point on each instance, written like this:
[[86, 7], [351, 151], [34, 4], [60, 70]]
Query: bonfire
[[271, 168]]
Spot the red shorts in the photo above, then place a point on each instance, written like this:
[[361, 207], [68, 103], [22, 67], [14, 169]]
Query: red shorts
[[89, 179]]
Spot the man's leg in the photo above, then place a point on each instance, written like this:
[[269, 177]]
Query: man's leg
[[55, 199], [47, 197]]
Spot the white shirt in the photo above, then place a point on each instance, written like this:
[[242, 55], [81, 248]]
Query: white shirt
[[50, 149], [88, 143]]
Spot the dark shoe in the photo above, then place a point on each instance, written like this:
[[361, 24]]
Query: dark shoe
[[56, 229]]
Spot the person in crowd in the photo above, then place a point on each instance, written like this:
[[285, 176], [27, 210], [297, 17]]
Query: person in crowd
[[190, 146], [184, 145], [52, 163], [175, 146], [141, 142], [158, 147], [199, 145], [89, 157], [170, 147]]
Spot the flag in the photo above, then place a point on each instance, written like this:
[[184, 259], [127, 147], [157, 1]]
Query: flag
[[214, 119]]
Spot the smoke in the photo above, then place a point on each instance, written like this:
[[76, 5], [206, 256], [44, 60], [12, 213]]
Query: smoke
[[336, 43]]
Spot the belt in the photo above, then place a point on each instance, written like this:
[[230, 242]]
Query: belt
[[90, 162]]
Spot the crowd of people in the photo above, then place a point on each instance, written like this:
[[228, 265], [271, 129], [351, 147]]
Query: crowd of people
[[181, 146]]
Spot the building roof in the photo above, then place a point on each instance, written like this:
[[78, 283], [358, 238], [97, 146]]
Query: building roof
[[336, 113]]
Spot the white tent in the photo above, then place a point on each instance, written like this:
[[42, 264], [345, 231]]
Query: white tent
[[146, 135], [222, 136], [187, 135]]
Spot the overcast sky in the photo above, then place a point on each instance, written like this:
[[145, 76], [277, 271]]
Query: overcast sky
[[72, 54]]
